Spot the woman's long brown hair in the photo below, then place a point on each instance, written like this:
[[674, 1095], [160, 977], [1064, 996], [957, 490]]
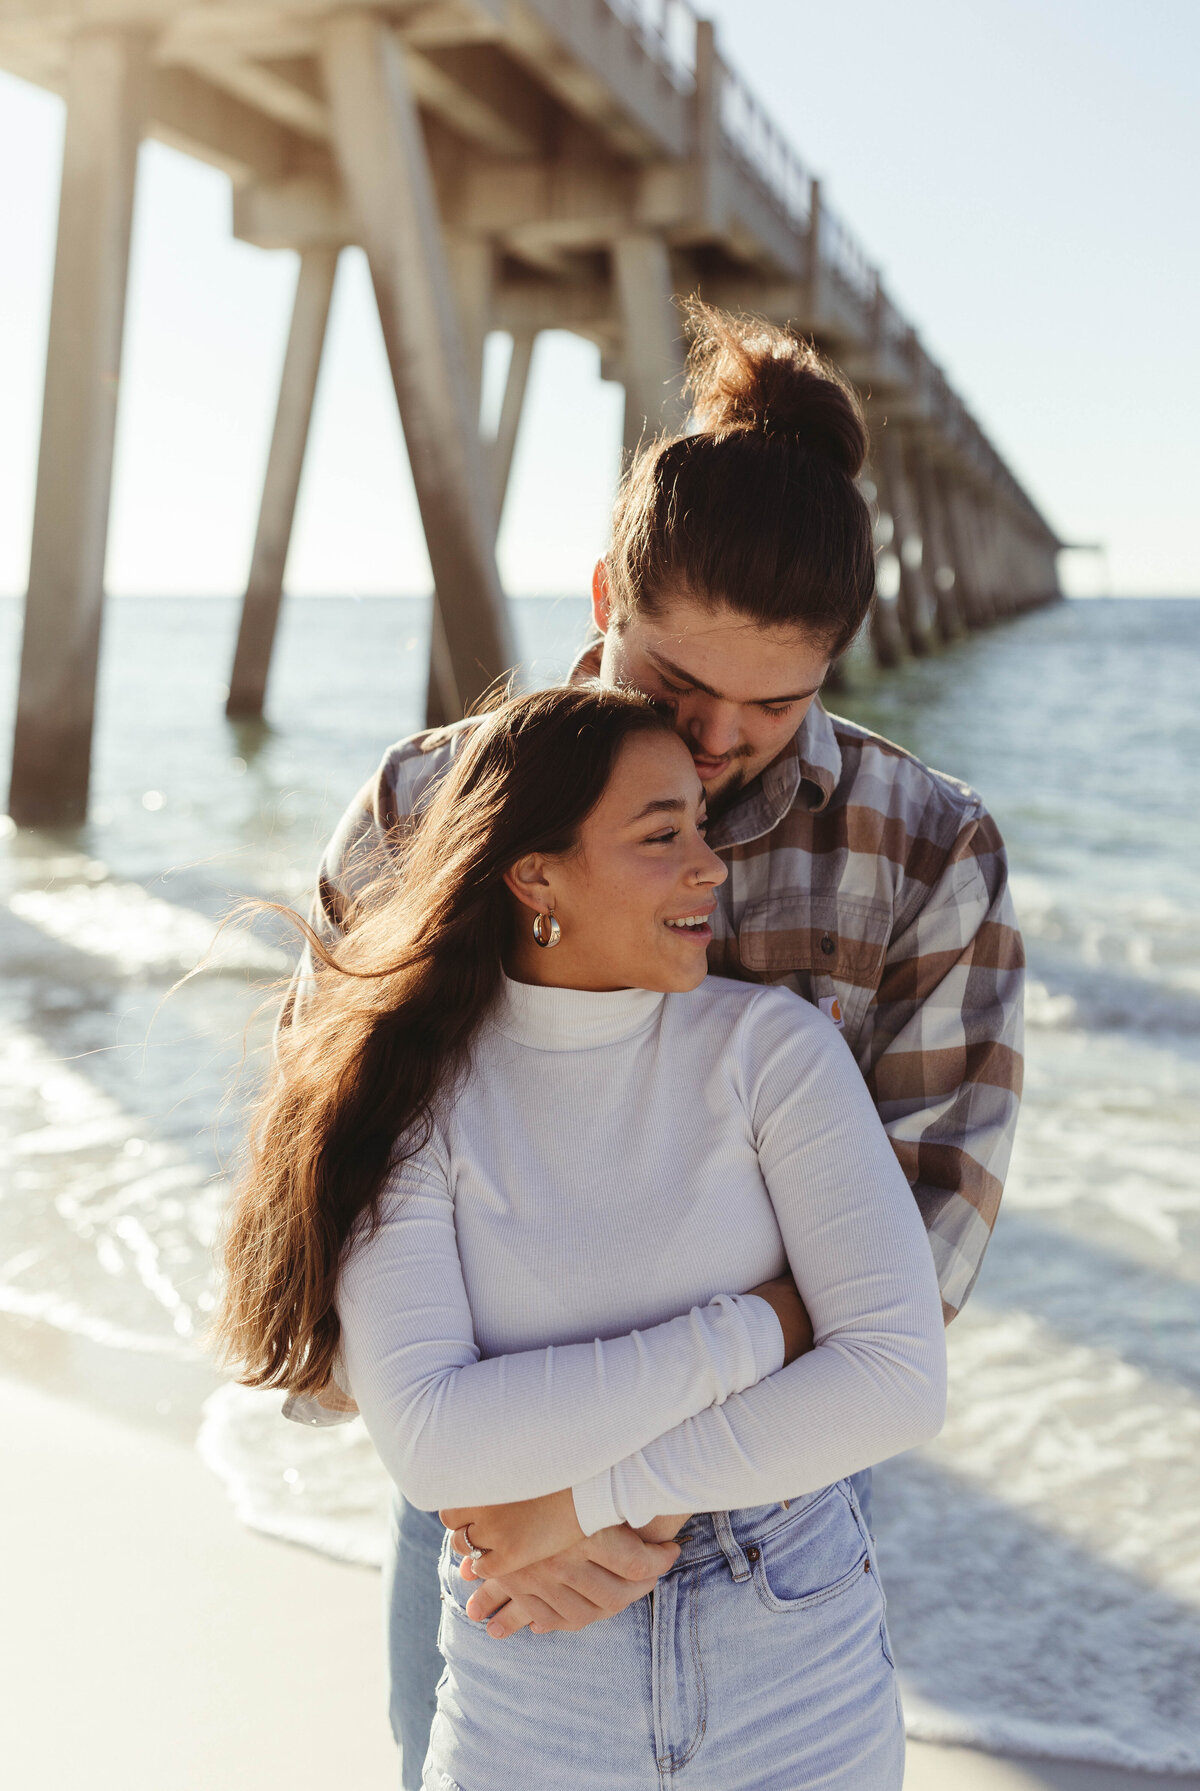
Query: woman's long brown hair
[[384, 1026]]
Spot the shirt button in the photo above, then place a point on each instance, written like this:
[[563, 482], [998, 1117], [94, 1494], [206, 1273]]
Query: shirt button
[[828, 946], [752, 1554]]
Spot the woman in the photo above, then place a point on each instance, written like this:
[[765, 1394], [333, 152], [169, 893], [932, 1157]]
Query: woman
[[513, 1177]]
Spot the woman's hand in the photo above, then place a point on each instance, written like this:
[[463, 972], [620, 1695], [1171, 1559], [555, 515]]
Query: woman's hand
[[516, 1535], [784, 1300], [597, 1578]]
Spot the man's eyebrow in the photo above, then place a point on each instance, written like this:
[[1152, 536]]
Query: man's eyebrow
[[671, 805], [676, 671]]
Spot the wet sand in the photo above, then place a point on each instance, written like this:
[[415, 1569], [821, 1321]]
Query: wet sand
[[149, 1639]]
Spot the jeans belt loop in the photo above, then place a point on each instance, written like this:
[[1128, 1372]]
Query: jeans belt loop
[[731, 1548]]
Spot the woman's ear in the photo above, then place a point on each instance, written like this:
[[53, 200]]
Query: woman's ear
[[601, 597], [528, 881]]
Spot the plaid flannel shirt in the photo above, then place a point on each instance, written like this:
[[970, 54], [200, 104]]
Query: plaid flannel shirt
[[876, 889]]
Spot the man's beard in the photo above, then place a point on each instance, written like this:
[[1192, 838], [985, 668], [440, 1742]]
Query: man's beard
[[722, 800]]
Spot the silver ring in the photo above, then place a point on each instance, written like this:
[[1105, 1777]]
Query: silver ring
[[476, 1554]]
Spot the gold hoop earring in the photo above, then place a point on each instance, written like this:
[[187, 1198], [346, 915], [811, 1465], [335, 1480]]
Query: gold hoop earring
[[546, 930]]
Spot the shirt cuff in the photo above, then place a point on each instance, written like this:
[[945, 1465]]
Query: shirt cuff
[[595, 1501], [594, 1507], [766, 1335]]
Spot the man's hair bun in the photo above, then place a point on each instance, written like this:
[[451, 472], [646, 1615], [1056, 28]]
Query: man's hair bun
[[756, 508], [745, 374]]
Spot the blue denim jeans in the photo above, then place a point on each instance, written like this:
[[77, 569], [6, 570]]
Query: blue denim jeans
[[760, 1662], [414, 1605]]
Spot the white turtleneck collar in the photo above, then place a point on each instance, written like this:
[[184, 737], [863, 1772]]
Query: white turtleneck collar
[[572, 1019]]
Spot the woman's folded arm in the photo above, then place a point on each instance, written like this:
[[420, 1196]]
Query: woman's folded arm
[[453, 1429], [876, 1381]]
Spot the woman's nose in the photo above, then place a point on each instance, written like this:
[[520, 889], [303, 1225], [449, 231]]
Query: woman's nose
[[709, 868]]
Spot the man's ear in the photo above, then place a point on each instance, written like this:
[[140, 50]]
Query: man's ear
[[601, 597], [528, 881]]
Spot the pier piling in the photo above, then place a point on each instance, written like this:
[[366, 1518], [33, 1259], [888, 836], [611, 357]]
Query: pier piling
[[106, 91], [297, 388], [502, 449], [381, 153], [653, 331], [938, 555], [915, 604]]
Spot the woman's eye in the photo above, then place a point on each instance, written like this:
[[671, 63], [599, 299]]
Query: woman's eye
[[663, 839]]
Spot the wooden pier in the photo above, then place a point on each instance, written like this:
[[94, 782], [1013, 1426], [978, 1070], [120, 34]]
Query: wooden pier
[[512, 165]]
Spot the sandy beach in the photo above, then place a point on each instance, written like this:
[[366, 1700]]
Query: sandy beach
[[150, 1640]]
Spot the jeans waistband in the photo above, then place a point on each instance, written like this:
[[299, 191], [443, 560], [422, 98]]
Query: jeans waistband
[[731, 1533]]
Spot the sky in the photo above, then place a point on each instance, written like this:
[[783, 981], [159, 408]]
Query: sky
[[1026, 174]]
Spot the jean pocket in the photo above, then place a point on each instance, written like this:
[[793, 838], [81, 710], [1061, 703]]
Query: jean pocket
[[818, 1556]]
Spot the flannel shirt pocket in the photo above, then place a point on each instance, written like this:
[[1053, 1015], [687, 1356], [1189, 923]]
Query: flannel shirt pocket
[[830, 949]]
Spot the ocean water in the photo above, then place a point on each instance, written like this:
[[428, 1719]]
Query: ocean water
[[1043, 1556]]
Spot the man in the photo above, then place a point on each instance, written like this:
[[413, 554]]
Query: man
[[872, 885]]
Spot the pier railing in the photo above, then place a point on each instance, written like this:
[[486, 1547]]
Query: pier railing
[[667, 32], [848, 259], [757, 142]]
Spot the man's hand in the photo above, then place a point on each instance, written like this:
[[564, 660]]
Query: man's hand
[[597, 1577]]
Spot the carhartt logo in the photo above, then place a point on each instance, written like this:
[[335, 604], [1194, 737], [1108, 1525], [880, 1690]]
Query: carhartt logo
[[831, 1007]]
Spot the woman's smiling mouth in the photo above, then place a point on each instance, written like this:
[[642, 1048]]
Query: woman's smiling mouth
[[692, 926]]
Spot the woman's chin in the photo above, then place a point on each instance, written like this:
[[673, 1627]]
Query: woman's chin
[[689, 956], [674, 972], [677, 980]]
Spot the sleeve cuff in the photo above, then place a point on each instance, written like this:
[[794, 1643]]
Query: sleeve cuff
[[594, 1507], [766, 1335]]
